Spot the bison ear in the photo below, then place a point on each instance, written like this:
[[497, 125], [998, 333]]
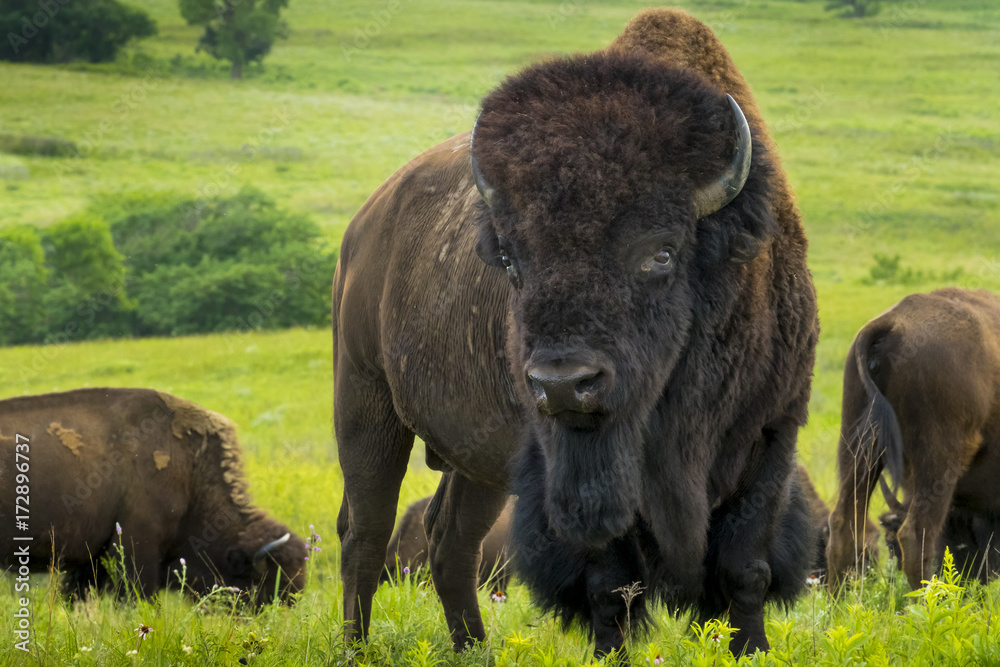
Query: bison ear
[[238, 560], [488, 246]]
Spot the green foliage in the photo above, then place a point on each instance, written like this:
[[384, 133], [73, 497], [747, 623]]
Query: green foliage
[[41, 146], [22, 284], [240, 31], [224, 263], [165, 266], [45, 31], [888, 271], [855, 8], [85, 296]]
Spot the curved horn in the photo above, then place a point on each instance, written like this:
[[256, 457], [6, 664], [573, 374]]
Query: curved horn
[[484, 190], [714, 196], [262, 553], [890, 498]]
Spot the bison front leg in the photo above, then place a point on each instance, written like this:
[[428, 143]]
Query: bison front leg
[[458, 518], [616, 587], [919, 535], [760, 545], [374, 448]]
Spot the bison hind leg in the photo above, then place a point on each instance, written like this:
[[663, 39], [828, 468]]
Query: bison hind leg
[[792, 548]]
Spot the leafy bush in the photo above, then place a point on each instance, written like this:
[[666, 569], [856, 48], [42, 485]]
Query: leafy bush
[[888, 271], [41, 146], [45, 31], [22, 284], [224, 263], [85, 296], [854, 8], [165, 266]]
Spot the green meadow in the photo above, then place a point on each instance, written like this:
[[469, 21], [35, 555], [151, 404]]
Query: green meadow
[[889, 128]]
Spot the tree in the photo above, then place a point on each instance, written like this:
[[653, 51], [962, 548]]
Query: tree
[[856, 8], [240, 31], [62, 31]]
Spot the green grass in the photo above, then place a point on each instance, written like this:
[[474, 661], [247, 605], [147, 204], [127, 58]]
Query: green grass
[[889, 129]]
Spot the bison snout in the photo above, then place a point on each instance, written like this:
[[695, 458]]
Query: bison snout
[[567, 388]]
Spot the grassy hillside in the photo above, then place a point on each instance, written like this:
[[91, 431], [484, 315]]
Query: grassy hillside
[[889, 128]]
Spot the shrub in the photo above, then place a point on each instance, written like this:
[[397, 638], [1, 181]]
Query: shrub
[[45, 32], [888, 271], [165, 266], [41, 146], [85, 295], [223, 263], [22, 284]]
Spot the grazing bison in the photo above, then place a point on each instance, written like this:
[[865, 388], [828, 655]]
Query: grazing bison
[[820, 513], [167, 471], [922, 399], [971, 538], [408, 547], [607, 280]]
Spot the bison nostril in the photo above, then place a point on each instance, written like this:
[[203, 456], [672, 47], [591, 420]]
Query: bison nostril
[[565, 388], [589, 385]]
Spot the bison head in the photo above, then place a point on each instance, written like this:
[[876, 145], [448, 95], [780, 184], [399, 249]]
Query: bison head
[[263, 552], [607, 181]]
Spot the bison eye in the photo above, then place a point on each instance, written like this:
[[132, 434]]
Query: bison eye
[[512, 273], [660, 263]]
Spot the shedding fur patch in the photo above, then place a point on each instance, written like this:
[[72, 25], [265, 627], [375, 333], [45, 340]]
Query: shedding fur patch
[[67, 436], [190, 418], [161, 459]]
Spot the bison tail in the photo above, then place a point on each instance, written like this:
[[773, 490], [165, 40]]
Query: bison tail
[[877, 426]]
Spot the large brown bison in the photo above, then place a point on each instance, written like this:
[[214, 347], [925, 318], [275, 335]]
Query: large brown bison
[[165, 470], [408, 547], [610, 279], [921, 399]]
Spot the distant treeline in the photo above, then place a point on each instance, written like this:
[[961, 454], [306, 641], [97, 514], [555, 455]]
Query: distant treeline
[[162, 265]]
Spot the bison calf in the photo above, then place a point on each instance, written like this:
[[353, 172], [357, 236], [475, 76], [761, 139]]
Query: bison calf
[[408, 547], [921, 398], [159, 475]]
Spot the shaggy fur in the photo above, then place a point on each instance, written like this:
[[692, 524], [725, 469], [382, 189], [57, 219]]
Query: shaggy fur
[[164, 469], [683, 478], [922, 398]]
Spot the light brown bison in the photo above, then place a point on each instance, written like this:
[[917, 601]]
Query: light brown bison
[[408, 547], [166, 471], [607, 279], [921, 399]]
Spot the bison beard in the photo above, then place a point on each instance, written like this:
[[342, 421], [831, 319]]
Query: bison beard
[[592, 481]]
